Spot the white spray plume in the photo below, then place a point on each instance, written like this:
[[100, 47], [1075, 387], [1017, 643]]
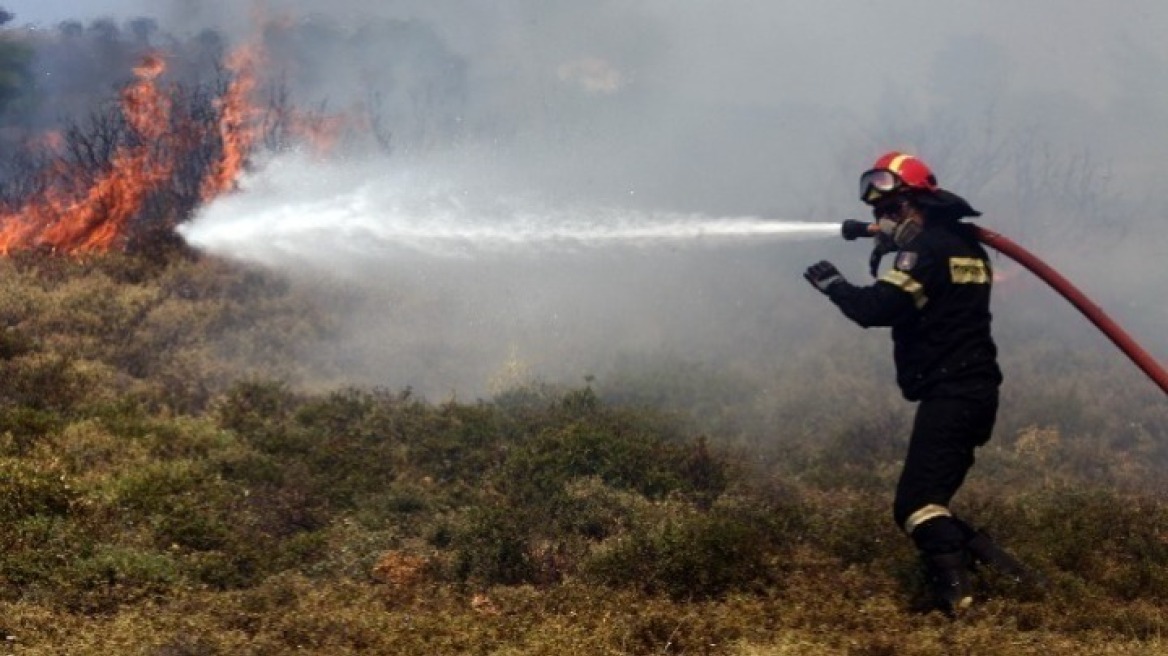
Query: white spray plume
[[448, 276], [298, 210]]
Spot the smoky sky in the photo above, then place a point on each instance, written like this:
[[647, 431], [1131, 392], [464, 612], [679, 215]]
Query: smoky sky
[[744, 103], [1047, 115]]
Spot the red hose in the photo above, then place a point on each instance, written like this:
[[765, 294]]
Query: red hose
[[1063, 286]]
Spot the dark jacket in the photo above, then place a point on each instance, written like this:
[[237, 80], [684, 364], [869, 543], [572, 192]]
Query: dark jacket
[[936, 298]]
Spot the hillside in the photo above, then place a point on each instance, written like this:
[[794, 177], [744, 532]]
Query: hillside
[[173, 485]]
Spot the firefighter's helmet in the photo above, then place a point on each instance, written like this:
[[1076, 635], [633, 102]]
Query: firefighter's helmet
[[895, 173]]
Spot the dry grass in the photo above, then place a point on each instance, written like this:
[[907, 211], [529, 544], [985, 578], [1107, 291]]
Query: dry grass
[[164, 496]]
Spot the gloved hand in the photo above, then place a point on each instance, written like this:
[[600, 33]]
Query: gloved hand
[[823, 275], [883, 246], [853, 229]]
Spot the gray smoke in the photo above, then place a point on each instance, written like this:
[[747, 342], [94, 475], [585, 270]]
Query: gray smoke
[[1045, 115]]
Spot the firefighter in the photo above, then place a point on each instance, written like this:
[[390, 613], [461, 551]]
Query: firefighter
[[936, 298]]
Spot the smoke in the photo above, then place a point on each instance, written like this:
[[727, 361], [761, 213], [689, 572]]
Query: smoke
[[522, 115], [298, 209], [458, 281]]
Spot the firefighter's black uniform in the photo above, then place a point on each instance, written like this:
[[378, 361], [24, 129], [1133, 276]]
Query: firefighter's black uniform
[[936, 299]]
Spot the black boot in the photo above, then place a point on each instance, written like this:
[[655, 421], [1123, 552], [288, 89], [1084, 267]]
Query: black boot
[[949, 581], [985, 551]]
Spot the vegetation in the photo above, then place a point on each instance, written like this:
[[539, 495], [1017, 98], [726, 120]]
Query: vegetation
[[179, 475], [171, 485]]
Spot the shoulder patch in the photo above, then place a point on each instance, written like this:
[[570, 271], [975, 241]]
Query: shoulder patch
[[905, 260], [969, 271], [906, 283]]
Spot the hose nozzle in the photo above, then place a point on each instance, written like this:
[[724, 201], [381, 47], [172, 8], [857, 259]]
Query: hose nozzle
[[853, 229]]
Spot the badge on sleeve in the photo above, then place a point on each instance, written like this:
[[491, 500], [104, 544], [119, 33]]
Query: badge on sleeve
[[905, 261]]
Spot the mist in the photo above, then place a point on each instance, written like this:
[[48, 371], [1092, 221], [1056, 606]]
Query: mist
[[526, 117]]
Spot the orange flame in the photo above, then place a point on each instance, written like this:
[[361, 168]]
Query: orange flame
[[321, 133], [77, 221], [78, 212], [52, 141], [237, 124]]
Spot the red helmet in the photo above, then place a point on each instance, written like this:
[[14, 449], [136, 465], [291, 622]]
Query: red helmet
[[894, 173]]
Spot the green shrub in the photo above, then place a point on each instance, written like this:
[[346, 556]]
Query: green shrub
[[96, 306], [49, 381], [695, 555], [127, 567], [36, 551], [167, 485], [348, 443], [28, 488], [566, 476], [495, 547], [27, 426], [856, 528], [623, 455], [14, 342], [1107, 539], [183, 503], [256, 410]]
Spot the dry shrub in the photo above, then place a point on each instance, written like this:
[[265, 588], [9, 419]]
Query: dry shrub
[[400, 569], [29, 488], [167, 488], [694, 555]]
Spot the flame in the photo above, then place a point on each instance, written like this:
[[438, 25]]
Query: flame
[[72, 216], [73, 220], [79, 212], [52, 141], [237, 124], [321, 133]]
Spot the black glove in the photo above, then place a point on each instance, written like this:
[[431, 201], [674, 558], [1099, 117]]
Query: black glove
[[883, 246], [853, 229], [823, 275]]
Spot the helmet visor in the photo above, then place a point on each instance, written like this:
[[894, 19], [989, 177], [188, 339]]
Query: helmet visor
[[878, 184]]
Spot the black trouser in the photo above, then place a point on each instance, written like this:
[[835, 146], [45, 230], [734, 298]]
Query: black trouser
[[940, 452]]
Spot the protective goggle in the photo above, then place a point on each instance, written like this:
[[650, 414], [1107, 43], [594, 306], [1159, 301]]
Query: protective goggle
[[877, 184]]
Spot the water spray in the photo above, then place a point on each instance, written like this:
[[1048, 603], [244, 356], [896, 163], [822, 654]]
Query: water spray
[[852, 229], [296, 211]]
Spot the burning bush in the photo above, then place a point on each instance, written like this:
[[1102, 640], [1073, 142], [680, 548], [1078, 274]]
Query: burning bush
[[81, 172], [146, 161], [124, 173]]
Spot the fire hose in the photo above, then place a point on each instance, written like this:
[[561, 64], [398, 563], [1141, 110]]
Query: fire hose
[[1060, 284]]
